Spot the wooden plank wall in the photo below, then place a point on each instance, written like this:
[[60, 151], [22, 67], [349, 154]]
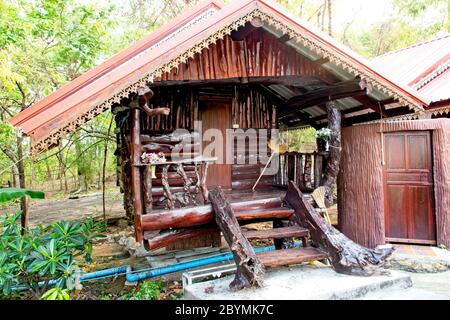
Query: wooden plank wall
[[360, 182], [260, 54]]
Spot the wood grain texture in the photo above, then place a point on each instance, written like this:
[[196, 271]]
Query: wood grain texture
[[277, 233], [260, 54], [345, 255], [278, 258], [249, 269], [360, 182]]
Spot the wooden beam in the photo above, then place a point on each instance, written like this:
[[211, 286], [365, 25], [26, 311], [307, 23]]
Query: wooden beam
[[375, 116], [168, 237], [320, 96], [298, 81], [200, 215], [305, 118], [321, 61], [249, 27], [284, 38]]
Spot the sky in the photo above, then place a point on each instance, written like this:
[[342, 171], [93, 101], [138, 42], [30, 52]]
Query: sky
[[361, 12]]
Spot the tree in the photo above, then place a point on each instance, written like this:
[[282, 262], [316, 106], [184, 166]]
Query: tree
[[44, 44]]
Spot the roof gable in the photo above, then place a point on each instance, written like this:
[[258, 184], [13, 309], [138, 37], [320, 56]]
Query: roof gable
[[51, 118]]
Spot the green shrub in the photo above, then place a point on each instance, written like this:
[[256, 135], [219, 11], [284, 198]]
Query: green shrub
[[147, 291], [56, 294], [43, 253]]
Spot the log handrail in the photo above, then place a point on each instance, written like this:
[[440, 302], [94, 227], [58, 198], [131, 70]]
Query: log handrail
[[195, 160], [189, 195], [346, 256]]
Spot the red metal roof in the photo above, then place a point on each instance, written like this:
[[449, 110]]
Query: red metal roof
[[121, 57], [439, 88], [425, 66], [77, 99]]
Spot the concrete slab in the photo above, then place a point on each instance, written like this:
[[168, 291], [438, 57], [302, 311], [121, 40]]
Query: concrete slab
[[306, 282], [404, 294]]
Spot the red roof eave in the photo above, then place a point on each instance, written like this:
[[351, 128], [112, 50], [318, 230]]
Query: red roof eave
[[114, 72], [326, 39], [113, 62]]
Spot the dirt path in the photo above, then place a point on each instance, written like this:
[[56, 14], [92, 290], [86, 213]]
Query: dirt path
[[86, 206]]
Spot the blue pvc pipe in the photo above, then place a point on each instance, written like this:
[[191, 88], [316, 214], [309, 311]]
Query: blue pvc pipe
[[154, 272], [134, 277], [85, 277], [102, 273]]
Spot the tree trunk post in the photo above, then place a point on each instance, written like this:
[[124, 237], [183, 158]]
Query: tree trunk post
[[136, 178], [250, 271], [334, 158], [346, 256]]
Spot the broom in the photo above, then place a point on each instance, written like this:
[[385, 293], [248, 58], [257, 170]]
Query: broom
[[319, 197]]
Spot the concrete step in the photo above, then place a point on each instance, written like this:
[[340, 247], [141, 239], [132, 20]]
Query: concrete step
[[305, 282]]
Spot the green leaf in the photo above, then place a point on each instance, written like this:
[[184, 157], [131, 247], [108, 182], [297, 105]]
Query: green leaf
[[7, 194]]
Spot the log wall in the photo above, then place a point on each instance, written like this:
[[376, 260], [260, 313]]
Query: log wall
[[260, 54], [360, 182]]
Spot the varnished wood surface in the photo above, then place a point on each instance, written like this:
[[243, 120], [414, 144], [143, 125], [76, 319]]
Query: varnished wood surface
[[249, 269], [217, 115], [278, 233], [278, 258], [409, 196]]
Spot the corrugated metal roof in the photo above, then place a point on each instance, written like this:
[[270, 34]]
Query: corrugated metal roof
[[439, 88], [409, 65], [79, 101]]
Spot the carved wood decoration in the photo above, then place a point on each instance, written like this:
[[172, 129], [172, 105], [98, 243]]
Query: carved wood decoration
[[147, 187], [334, 157], [346, 256], [250, 271]]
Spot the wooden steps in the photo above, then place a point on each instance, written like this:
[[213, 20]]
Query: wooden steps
[[278, 233], [279, 258], [264, 214]]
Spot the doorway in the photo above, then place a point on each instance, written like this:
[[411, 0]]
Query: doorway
[[217, 115], [408, 188]]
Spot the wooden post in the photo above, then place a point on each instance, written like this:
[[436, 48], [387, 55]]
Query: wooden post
[[346, 256], [148, 198], [307, 176], [334, 158], [250, 271], [318, 165], [203, 186], [136, 179], [166, 187]]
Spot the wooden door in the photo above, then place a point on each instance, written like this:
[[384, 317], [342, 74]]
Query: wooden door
[[217, 115], [409, 195]]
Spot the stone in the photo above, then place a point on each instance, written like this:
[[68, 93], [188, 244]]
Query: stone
[[431, 260]]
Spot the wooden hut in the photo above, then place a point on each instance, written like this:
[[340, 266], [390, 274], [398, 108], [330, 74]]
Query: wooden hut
[[247, 65], [395, 178]]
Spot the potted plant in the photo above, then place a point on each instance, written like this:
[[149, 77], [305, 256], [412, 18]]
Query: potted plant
[[152, 159], [323, 138]]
